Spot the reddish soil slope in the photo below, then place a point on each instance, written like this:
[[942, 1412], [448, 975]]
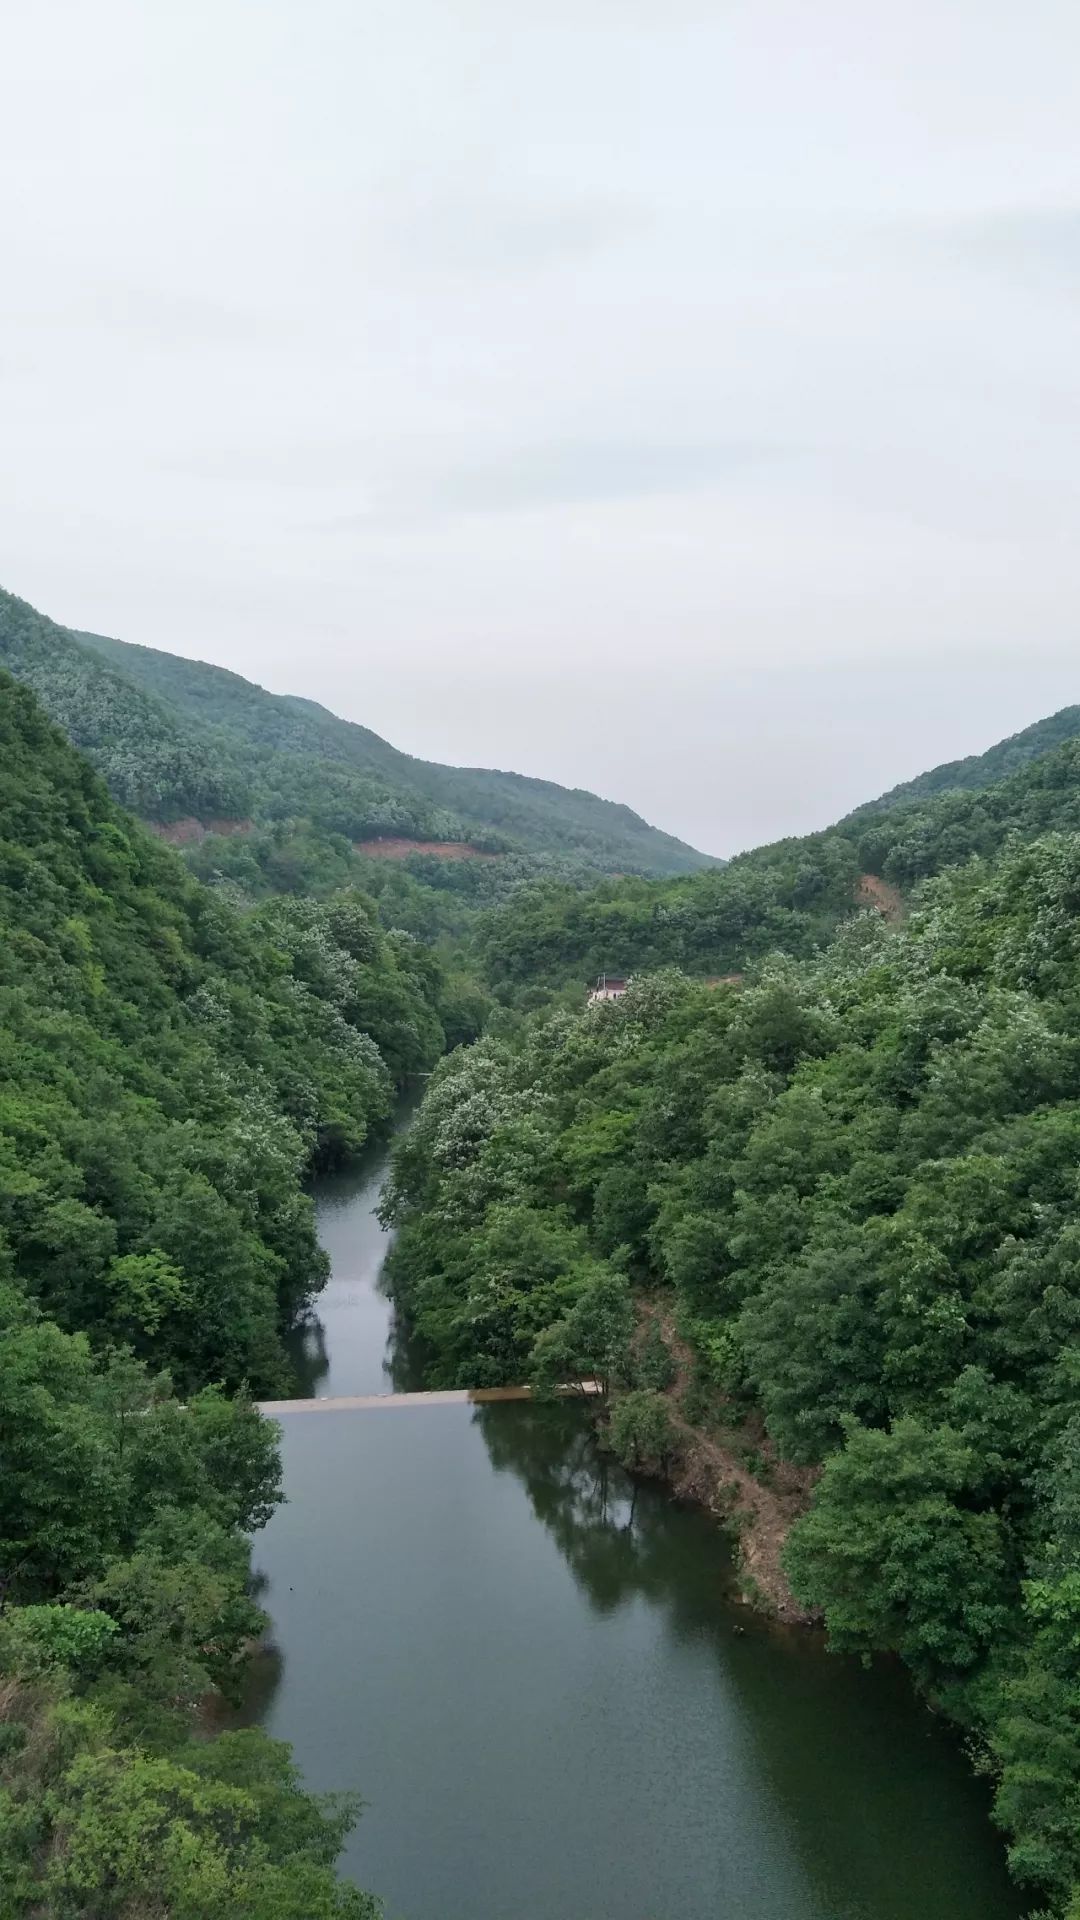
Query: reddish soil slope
[[872, 892]]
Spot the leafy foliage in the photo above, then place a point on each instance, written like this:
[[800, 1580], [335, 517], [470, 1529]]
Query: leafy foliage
[[177, 738], [856, 1176], [170, 1068], [642, 1432], [169, 1071], [791, 896], [712, 923], [123, 1517]]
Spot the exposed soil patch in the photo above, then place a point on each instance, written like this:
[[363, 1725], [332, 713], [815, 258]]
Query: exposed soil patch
[[391, 849], [762, 1516], [712, 1471], [189, 832], [871, 891], [725, 980]]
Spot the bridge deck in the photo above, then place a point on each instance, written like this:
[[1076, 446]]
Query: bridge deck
[[358, 1402]]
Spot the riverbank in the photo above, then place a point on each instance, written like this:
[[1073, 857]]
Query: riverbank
[[757, 1505], [476, 1611]]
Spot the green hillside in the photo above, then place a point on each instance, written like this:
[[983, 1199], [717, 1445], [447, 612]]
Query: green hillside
[[177, 738], [169, 1069], [789, 896], [170, 1072], [154, 763], [851, 1188], [848, 1189], [435, 801], [981, 770]]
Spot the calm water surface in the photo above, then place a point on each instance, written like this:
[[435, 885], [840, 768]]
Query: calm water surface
[[544, 1689], [351, 1344]]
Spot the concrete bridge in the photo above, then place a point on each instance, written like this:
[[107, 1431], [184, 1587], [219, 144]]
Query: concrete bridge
[[450, 1397]]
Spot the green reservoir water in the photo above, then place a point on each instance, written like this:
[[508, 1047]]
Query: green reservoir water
[[543, 1685]]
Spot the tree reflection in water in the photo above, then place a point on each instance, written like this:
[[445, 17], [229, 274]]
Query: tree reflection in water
[[846, 1758], [309, 1358], [745, 1739], [621, 1539]]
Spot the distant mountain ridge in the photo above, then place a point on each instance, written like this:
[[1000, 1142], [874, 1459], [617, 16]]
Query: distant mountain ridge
[[981, 770], [793, 895], [177, 738]]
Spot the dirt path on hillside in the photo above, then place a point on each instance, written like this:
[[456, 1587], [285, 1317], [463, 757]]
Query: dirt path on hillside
[[711, 1471]]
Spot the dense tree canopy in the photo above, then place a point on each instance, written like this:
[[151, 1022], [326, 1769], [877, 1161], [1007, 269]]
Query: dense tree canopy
[[125, 1571], [855, 1177], [849, 1174], [170, 1069], [176, 737], [789, 897]]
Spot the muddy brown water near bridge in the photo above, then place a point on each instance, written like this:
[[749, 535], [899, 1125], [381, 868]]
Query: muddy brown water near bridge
[[544, 1685]]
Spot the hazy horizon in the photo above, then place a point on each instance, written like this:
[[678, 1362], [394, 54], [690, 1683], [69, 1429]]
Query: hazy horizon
[[851, 727], [682, 408]]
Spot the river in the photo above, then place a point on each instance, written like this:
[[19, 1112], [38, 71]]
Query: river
[[546, 1689]]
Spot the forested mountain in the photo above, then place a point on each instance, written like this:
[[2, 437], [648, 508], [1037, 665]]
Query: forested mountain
[[170, 1067], [153, 762], [791, 895], [709, 924], [169, 1071], [534, 815], [848, 1182], [178, 738], [853, 1185], [981, 770]]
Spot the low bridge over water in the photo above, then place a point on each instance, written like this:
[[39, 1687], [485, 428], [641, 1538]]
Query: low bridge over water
[[449, 1397]]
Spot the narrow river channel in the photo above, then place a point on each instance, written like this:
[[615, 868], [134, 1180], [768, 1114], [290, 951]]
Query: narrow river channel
[[548, 1695]]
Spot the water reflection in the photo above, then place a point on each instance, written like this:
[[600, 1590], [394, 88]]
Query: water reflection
[[351, 1342], [541, 1685], [542, 1681], [587, 1503], [855, 1765], [263, 1677], [308, 1357]]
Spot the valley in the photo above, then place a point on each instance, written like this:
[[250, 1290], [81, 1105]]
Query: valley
[[452, 1581], [800, 1200]]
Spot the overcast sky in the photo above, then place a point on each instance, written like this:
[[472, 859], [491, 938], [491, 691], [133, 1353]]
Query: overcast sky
[[679, 400]]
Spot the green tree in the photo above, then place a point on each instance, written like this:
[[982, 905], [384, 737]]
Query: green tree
[[895, 1557], [591, 1343], [641, 1430]]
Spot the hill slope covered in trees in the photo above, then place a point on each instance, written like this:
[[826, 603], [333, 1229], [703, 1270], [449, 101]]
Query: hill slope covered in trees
[[788, 896], [176, 737], [980, 770], [169, 1071], [853, 1186]]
